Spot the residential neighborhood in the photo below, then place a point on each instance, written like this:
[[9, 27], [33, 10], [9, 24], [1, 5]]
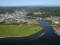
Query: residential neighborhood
[[17, 17]]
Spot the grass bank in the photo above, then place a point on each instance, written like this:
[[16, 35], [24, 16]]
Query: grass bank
[[16, 30]]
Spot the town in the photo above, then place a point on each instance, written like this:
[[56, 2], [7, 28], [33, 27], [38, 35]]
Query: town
[[30, 17], [17, 17]]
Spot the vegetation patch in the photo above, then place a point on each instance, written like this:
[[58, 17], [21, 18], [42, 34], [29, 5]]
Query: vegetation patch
[[16, 30]]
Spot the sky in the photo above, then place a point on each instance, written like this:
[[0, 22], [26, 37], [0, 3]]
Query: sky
[[29, 2]]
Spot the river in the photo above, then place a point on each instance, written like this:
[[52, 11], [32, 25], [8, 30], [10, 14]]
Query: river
[[46, 36]]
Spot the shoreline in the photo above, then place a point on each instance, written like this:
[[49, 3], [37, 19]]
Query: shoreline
[[20, 36], [57, 30]]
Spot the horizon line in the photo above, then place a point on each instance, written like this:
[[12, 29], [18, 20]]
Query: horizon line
[[34, 5]]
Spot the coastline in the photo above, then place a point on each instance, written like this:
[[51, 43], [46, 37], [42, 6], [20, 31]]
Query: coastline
[[22, 36]]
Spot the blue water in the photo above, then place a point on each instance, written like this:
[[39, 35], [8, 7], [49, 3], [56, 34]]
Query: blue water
[[46, 36]]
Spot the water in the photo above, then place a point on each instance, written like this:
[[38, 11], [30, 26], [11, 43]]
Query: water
[[46, 36], [49, 38]]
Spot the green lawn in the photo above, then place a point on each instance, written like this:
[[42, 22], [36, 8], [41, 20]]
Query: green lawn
[[16, 30]]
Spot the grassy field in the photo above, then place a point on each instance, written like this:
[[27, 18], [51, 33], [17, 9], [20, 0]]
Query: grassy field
[[16, 30]]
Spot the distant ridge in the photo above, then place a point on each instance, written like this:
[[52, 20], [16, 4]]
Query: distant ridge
[[29, 6]]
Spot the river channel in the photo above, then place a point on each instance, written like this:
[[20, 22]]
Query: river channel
[[46, 36]]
